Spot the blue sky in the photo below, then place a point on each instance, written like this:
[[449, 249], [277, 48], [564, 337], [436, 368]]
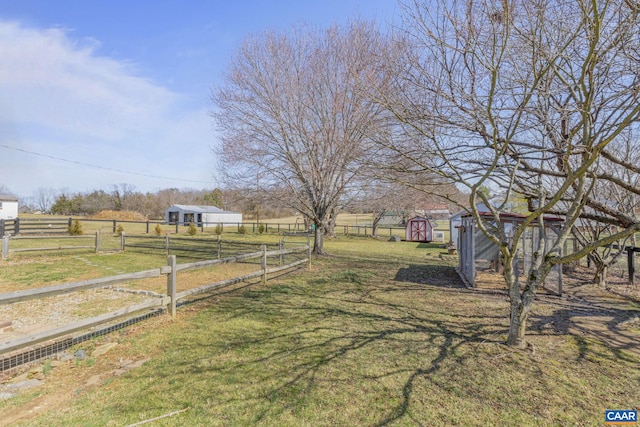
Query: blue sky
[[99, 93]]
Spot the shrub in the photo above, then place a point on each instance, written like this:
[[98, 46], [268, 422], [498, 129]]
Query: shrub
[[75, 229], [260, 228], [218, 229], [192, 230], [119, 230], [158, 230], [242, 229]]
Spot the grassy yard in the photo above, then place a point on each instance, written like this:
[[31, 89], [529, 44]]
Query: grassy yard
[[378, 333]]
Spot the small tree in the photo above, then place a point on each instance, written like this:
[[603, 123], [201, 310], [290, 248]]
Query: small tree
[[192, 230], [158, 230], [119, 230], [218, 229], [75, 229], [260, 228], [242, 229]]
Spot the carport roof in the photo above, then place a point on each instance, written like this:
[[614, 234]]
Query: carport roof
[[198, 208]]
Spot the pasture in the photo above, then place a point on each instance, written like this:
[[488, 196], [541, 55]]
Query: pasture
[[377, 333]]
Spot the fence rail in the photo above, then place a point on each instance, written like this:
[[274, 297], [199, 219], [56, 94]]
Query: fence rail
[[53, 225], [166, 301]]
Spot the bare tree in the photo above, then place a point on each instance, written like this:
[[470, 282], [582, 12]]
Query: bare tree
[[524, 97], [5, 190], [291, 115], [44, 197]]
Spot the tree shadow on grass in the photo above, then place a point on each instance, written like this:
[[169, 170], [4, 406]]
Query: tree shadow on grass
[[582, 320], [436, 275], [358, 321]]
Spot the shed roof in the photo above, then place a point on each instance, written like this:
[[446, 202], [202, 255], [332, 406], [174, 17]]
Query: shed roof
[[513, 216]]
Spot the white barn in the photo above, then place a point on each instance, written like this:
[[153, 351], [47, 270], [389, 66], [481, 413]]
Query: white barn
[[207, 216], [8, 206]]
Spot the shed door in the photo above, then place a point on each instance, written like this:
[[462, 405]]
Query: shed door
[[418, 230]]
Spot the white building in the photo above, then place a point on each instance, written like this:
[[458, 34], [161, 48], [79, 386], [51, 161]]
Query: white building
[[208, 216], [8, 206]]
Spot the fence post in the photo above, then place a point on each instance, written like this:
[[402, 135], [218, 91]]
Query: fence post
[[114, 227], [219, 245], [631, 265], [97, 241], [5, 247], [172, 285], [281, 247], [1, 227], [166, 243], [16, 226], [176, 227], [122, 241], [147, 227], [263, 248]]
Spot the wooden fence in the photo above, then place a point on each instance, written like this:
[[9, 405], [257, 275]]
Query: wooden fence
[[50, 226], [167, 301], [52, 243], [53, 225], [192, 247]]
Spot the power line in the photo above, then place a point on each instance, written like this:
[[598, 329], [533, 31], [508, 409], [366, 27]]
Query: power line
[[101, 167]]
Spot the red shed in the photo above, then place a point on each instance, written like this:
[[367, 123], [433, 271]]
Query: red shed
[[418, 230]]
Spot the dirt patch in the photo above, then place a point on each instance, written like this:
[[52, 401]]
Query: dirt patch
[[584, 310], [65, 380]]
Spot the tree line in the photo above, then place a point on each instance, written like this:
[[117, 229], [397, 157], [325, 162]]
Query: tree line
[[124, 197]]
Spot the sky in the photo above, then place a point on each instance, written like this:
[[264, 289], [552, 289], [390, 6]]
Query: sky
[[106, 92]]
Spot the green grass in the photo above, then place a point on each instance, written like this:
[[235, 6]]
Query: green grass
[[378, 333]]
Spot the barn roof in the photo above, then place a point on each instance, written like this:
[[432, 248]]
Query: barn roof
[[8, 198]]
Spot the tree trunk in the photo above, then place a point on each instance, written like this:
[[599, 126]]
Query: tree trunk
[[319, 240], [329, 228], [374, 225], [518, 325], [601, 275], [519, 306]]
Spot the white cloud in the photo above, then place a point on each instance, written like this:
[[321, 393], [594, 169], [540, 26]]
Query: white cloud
[[48, 78], [60, 97]]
